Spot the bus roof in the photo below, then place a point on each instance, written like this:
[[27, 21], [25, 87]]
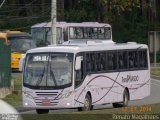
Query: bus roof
[[19, 35], [4, 36], [81, 48], [15, 32], [62, 24]]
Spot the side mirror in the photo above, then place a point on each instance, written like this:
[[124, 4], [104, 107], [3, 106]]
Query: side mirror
[[78, 62]]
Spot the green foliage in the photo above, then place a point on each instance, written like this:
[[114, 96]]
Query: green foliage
[[131, 19], [155, 71]]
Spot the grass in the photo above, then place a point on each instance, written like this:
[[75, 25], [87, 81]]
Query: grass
[[15, 99], [145, 109], [103, 114], [155, 71], [17, 83], [68, 117]]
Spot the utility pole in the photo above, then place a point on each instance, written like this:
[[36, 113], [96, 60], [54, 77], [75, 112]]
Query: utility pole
[[53, 22]]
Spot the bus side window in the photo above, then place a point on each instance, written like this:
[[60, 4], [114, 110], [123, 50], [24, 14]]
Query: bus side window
[[143, 59], [131, 60], [88, 62], [120, 61], [92, 61], [110, 61], [103, 61], [65, 35], [135, 55], [98, 62]]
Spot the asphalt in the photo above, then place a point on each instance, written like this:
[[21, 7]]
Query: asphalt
[[22, 109]]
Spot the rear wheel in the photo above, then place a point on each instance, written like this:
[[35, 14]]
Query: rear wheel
[[116, 105], [125, 100], [42, 111], [87, 104]]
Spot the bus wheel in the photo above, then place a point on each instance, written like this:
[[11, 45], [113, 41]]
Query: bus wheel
[[42, 111], [116, 105], [87, 104], [125, 98], [124, 102]]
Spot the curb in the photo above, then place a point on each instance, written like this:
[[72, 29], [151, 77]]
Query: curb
[[22, 109], [155, 77]]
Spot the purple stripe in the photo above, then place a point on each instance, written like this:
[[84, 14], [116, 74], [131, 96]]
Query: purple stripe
[[110, 88]]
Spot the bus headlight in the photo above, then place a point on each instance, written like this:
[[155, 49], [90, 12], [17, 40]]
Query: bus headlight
[[26, 104], [28, 95], [68, 104], [66, 95]]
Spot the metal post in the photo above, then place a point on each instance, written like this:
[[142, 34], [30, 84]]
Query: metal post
[[155, 52], [53, 22]]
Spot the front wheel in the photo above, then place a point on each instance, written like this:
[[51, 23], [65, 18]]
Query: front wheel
[[42, 111], [87, 104]]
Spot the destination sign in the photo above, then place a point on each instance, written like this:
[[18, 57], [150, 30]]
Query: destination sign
[[40, 58]]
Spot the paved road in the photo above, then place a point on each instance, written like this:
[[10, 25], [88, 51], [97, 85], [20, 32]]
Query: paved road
[[153, 98]]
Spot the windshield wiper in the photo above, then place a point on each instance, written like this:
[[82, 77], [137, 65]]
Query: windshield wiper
[[52, 75], [41, 77]]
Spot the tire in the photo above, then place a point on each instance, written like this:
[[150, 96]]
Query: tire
[[124, 102], [42, 111], [125, 98], [116, 105], [87, 104]]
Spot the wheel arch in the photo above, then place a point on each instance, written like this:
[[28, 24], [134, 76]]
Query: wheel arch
[[127, 92], [89, 93]]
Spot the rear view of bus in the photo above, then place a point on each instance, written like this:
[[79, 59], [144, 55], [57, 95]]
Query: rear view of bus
[[20, 42]]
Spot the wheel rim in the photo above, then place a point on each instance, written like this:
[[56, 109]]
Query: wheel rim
[[86, 104], [125, 99]]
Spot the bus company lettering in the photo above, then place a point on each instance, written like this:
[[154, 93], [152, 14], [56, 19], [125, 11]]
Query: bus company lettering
[[130, 78]]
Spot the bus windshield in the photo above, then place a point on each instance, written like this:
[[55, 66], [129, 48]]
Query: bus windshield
[[101, 33], [21, 44], [48, 70], [42, 36]]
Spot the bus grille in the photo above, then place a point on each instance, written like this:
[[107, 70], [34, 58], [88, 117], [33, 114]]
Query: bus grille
[[47, 98]]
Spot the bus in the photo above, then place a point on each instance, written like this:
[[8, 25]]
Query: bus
[[41, 32], [20, 42], [3, 37], [85, 75]]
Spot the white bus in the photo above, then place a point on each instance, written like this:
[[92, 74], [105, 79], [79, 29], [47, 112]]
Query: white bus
[[82, 76], [41, 32]]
